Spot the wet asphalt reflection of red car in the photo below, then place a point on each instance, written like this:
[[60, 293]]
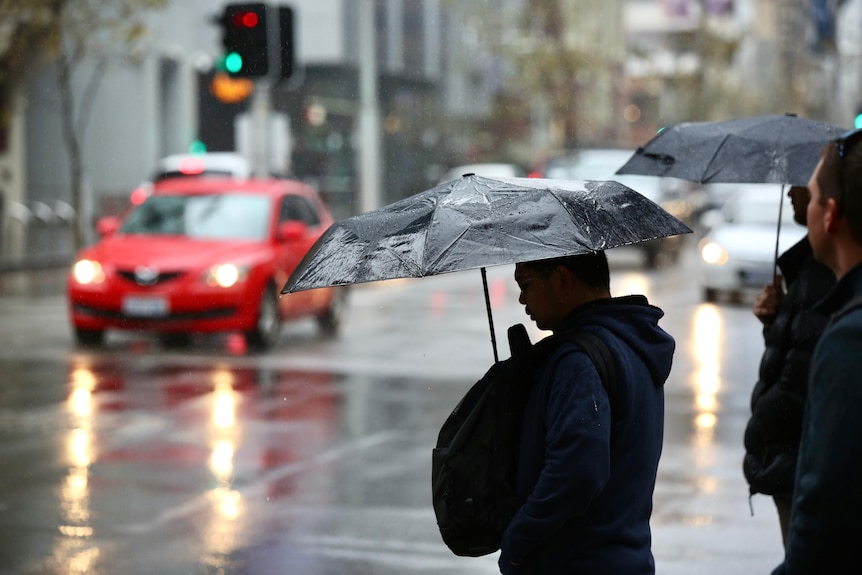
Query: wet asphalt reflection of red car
[[203, 255]]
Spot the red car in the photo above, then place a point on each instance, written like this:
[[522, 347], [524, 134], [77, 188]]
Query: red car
[[203, 256]]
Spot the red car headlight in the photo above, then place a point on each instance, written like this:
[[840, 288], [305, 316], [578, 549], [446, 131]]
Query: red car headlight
[[225, 275], [87, 272]]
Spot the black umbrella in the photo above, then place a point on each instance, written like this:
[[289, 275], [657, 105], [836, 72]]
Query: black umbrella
[[759, 150], [475, 222]]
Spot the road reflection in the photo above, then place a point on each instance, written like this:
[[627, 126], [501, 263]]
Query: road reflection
[[243, 432], [707, 330]]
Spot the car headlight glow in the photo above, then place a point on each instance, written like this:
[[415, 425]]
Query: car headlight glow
[[713, 253], [225, 275], [88, 272]]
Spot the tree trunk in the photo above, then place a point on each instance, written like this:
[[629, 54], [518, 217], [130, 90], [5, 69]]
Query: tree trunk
[[73, 146]]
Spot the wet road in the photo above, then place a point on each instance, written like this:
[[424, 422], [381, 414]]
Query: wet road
[[315, 458]]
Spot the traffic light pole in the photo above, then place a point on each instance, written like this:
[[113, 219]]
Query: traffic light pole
[[261, 105], [369, 113]]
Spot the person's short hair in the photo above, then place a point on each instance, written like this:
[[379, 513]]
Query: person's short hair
[[590, 268], [840, 178]]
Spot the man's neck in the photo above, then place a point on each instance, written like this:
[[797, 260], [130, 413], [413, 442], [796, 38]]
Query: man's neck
[[847, 256]]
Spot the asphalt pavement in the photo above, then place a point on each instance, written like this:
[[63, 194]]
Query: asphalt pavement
[[702, 521]]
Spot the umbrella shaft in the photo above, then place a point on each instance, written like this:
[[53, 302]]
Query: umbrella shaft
[[490, 316]]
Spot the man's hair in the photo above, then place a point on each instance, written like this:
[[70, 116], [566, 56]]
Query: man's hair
[[591, 268], [841, 179]]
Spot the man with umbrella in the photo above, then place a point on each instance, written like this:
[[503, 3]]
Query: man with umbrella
[[589, 457], [826, 518], [791, 328]]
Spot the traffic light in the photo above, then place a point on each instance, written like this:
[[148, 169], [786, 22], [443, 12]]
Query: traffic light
[[285, 41], [857, 121], [246, 40]]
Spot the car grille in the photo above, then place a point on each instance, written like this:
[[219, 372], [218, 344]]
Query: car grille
[[158, 279]]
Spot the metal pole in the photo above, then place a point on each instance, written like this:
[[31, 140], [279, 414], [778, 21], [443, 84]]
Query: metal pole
[[259, 137], [777, 237], [369, 115], [490, 316]]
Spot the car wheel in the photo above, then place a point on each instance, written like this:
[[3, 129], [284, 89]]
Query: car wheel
[[89, 337], [266, 331], [330, 321], [710, 295]]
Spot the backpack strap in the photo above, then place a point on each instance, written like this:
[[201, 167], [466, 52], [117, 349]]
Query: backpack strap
[[598, 352]]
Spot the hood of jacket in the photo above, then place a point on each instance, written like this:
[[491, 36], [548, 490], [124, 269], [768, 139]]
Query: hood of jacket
[[633, 321]]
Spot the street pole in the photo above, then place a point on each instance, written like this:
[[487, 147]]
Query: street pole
[[368, 155], [259, 137]]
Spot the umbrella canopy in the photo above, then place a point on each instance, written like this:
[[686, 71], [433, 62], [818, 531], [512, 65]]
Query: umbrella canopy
[[476, 222], [760, 150]]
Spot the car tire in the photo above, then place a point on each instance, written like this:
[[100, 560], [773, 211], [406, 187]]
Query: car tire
[[710, 295], [331, 320], [268, 327], [89, 337]]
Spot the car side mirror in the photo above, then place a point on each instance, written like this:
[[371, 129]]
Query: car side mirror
[[292, 231], [107, 226]]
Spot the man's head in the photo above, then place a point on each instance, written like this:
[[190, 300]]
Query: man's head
[[551, 289], [799, 196], [835, 210]]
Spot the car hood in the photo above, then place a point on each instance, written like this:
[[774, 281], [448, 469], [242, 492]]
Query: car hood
[[172, 252], [755, 242]]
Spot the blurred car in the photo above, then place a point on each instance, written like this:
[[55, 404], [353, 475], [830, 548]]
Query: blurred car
[[738, 251], [203, 255], [210, 164], [601, 164], [487, 170]]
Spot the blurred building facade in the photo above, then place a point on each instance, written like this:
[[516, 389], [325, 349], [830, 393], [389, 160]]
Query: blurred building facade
[[439, 83]]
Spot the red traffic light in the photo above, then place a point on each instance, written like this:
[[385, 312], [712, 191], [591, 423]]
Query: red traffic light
[[245, 19]]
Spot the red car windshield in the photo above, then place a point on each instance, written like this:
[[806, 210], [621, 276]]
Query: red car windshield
[[205, 217]]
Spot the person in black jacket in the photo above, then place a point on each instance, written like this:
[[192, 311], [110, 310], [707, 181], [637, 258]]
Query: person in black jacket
[[791, 329], [825, 525]]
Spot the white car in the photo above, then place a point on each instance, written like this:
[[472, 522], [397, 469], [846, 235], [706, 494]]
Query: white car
[[738, 253], [486, 170], [211, 164]]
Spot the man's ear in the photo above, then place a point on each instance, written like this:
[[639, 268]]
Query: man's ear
[[565, 277], [831, 216]]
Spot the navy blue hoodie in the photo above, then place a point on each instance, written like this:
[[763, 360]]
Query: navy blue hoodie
[[588, 483]]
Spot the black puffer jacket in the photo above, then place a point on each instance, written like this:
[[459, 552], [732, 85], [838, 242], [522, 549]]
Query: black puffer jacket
[[778, 400]]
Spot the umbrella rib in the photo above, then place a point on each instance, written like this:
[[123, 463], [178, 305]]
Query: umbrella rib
[[707, 176], [442, 251], [566, 210]]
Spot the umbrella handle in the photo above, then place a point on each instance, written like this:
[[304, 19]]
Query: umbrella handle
[[490, 317], [777, 237]]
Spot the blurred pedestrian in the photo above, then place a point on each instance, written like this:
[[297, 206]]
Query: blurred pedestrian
[[826, 518], [791, 328], [588, 463]]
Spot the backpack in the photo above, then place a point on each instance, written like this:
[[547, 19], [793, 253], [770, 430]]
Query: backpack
[[474, 464]]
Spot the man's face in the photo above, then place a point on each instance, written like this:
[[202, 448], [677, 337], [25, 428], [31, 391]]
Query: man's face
[[538, 296], [799, 196], [814, 216]]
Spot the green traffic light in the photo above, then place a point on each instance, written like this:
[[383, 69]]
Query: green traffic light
[[197, 147], [233, 62], [857, 123]]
